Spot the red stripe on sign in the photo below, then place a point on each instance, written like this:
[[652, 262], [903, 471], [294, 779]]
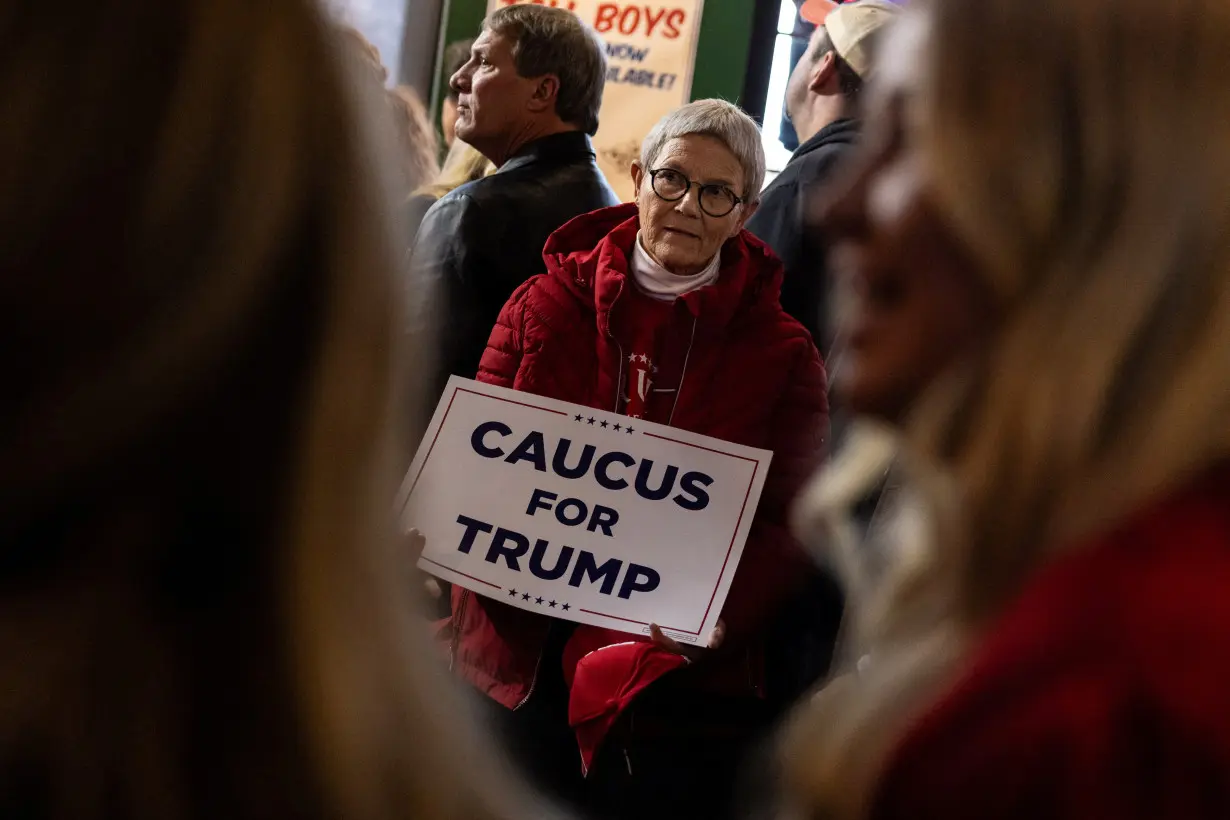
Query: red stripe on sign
[[614, 617], [462, 574], [731, 548], [510, 401], [427, 457], [742, 512], [641, 623]]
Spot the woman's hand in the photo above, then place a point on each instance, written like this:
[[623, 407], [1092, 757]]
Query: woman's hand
[[661, 640], [414, 542]]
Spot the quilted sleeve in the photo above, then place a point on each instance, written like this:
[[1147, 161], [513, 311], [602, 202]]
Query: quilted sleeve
[[773, 562], [502, 358]]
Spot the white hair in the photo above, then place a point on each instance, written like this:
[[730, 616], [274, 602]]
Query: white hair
[[722, 121]]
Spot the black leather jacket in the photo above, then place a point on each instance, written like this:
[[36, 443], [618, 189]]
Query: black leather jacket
[[476, 245]]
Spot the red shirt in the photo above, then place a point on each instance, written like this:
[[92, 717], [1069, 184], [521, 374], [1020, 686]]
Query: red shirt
[[1104, 690], [654, 337]]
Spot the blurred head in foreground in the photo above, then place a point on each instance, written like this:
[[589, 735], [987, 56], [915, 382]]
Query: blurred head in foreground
[[200, 608], [1040, 270], [416, 137], [417, 147]]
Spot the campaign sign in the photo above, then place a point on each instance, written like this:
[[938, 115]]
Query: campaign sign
[[581, 514]]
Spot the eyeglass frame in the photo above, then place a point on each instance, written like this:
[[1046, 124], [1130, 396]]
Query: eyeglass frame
[[700, 186]]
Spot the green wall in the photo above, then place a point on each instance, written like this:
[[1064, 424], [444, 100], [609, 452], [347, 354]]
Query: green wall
[[721, 55], [462, 19]]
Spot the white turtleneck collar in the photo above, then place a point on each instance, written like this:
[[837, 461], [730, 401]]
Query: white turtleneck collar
[[657, 282]]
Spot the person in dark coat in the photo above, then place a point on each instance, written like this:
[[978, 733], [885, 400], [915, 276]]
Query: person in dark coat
[[820, 101], [528, 99], [463, 164]]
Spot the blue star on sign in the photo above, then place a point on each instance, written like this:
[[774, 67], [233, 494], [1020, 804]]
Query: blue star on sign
[[512, 593]]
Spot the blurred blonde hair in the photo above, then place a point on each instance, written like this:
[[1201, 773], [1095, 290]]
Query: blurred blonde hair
[[463, 164], [418, 146], [201, 612], [417, 137], [1082, 150]]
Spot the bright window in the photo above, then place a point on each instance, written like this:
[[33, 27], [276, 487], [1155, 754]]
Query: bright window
[[380, 21], [776, 154]]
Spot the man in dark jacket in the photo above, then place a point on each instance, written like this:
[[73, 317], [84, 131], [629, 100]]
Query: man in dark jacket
[[820, 100], [821, 97], [528, 99]]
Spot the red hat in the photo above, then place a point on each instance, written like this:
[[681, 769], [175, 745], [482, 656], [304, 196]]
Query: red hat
[[814, 11], [606, 681]]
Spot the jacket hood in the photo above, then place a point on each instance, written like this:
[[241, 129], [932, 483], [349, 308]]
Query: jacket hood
[[590, 256]]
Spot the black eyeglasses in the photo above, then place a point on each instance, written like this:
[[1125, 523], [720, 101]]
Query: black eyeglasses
[[672, 186]]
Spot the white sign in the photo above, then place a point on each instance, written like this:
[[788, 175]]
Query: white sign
[[651, 50], [580, 514]]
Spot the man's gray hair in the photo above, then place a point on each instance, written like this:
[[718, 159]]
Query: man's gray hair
[[554, 41], [722, 121]]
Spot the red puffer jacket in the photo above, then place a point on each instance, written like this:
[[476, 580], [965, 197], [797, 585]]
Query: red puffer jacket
[[752, 377]]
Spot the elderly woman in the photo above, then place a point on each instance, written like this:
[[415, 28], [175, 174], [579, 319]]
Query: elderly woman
[[667, 310]]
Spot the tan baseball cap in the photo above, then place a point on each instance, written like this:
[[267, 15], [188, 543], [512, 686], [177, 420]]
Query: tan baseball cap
[[849, 24]]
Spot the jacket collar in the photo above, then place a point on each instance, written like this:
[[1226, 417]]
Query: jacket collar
[[556, 147], [839, 131], [591, 256]]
